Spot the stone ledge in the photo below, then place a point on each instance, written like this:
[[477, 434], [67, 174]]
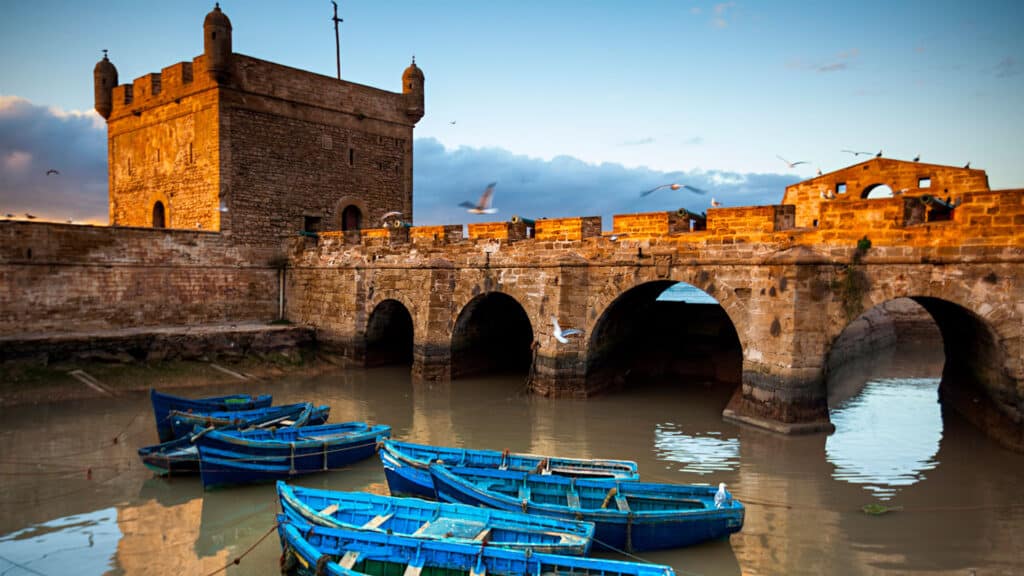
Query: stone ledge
[[779, 427]]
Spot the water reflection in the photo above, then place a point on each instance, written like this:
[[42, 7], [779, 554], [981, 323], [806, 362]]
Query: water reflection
[[86, 541], [888, 435], [698, 453]]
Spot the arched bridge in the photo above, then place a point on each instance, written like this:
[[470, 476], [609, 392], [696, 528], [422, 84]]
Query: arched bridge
[[454, 306]]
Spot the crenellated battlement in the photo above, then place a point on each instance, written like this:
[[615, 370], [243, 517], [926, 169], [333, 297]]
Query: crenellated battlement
[[149, 91]]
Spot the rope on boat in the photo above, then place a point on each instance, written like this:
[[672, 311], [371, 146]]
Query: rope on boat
[[238, 559]]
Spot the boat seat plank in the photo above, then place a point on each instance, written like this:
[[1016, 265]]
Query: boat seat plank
[[421, 529], [620, 501], [411, 570], [329, 510], [524, 492], [482, 536], [349, 559], [573, 499], [376, 521]]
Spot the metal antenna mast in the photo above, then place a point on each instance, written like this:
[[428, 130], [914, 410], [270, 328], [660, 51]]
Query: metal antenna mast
[[337, 42]]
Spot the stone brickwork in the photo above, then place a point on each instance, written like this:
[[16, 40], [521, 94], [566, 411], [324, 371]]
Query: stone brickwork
[[856, 182], [69, 278], [255, 149]]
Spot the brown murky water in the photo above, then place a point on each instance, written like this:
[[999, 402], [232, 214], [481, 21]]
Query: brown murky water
[[73, 501]]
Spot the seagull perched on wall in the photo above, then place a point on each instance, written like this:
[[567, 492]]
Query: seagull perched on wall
[[828, 195], [879, 155], [856, 153], [563, 335], [8, 215], [693, 189], [29, 216], [483, 206], [51, 171], [968, 165], [916, 158], [715, 203], [791, 164]]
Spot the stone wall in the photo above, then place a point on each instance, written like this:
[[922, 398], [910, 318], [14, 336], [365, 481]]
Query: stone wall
[[70, 278]]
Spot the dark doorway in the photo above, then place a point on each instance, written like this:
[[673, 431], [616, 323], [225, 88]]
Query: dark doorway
[[158, 215], [351, 218], [389, 335], [492, 336]]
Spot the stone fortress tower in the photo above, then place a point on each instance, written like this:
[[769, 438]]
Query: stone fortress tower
[[253, 149]]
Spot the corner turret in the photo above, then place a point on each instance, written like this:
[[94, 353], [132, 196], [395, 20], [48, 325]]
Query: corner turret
[[104, 78], [412, 88], [217, 43]]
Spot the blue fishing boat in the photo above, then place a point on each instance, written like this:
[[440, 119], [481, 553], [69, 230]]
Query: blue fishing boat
[[164, 403], [628, 515], [303, 414], [407, 465], [316, 550], [240, 456], [434, 520], [181, 457]]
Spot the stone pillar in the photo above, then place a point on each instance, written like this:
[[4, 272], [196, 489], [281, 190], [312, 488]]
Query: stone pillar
[[560, 369], [432, 350]]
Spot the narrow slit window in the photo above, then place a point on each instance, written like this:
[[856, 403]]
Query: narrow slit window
[[351, 156]]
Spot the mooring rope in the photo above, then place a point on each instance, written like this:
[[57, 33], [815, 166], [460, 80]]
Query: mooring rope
[[238, 559]]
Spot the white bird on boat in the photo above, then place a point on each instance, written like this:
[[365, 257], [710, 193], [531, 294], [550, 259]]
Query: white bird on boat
[[563, 335], [484, 205], [722, 497]]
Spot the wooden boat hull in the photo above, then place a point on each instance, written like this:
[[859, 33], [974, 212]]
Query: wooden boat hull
[[238, 457], [434, 520], [628, 515], [176, 457], [407, 465], [183, 423], [309, 549], [164, 403]]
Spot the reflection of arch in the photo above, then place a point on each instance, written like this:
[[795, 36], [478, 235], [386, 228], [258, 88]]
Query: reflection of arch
[[159, 220], [492, 334], [641, 338], [389, 335], [877, 191]]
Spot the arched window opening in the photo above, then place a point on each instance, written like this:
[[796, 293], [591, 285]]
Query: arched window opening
[[351, 218], [877, 191], [159, 219]]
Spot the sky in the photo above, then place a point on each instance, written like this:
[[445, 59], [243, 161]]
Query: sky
[[573, 107]]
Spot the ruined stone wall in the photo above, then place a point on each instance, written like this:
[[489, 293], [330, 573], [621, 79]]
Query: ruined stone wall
[[68, 278], [855, 182], [163, 146]]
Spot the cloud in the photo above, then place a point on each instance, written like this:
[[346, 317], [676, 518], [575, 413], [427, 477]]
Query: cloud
[[841, 61], [721, 9], [34, 139], [565, 186], [1007, 67], [638, 142]]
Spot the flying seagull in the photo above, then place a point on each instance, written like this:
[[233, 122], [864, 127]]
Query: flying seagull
[[715, 203], [392, 214], [51, 171], [452, 122], [791, 164], [693, 189], [856, 153], [484, 205], [563, 335]]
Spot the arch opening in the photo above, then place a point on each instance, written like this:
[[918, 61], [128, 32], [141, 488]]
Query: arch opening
[[492, 335], [351, 218], [896, 375], [665, 333], [159, 219], [389, 335], [877, 191]]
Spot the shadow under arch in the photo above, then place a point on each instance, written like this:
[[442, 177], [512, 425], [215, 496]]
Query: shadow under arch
[[664, 332], [389, 335], [492, 334]]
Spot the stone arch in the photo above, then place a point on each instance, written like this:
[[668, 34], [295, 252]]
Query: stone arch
[[674, 341], [877, 190], [160, 211], [978, 373], [389, 334], [492, 333], [352, 204]]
